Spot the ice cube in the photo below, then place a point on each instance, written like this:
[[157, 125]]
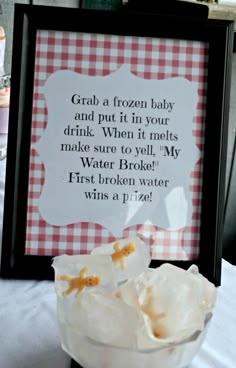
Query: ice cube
[[76, 273], [130, 256], [174, 302], [101, 316]]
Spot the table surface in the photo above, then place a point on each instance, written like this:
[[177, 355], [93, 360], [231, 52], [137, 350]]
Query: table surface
[[29, 336]]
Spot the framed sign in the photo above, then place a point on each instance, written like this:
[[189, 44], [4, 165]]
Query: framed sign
[[116, 129]]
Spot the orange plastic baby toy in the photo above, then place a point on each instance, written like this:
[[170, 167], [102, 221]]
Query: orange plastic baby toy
[[119, 254], [78, 283]]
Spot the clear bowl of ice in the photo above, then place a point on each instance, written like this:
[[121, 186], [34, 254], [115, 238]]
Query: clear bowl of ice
[[92, 354], [115, 312]]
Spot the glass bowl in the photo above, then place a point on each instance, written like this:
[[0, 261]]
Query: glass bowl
[[92, 354]]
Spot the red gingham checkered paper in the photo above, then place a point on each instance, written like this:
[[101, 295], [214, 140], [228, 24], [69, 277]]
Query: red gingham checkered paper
[[97, 54]]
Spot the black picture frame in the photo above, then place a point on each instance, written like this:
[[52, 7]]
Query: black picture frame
[[229, 235], [28, 20]]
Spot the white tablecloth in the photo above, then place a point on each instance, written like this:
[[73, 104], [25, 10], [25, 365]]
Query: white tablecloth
[[219, 347], [29, 332]]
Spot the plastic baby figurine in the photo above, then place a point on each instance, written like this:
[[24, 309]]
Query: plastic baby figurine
[[158, 329], [78, 283], [119, 254]]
